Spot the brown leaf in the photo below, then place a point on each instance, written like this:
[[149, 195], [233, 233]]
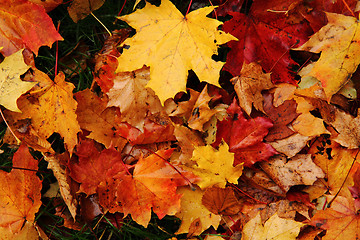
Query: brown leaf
[[249, 84], [281, 117], [79, 9], [221, 201], [201, 112], [134, 100], [299, 170]]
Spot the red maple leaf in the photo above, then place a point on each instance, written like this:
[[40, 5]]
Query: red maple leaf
[[245, 136], [266, 36]]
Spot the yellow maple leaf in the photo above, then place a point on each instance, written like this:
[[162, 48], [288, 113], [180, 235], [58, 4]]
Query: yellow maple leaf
[[338, 43], [11, 86], [171, 44], [214, 167]]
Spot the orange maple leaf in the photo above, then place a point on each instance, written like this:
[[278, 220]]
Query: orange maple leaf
[[19, 191], [152, 186]]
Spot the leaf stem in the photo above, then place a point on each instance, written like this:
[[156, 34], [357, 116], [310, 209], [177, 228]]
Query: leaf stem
[[348, 8], [57, 51], [188, 8], [246, 194], [347, 175], [173, 167]]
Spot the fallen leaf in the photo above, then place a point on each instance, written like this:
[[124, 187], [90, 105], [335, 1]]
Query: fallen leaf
[[281, 117], [94, 116], [80, 9], [348, 128], [290, 146], [59, 171], [157, 128], [335, 161], [184, 108], [52, 109], [28, 232], [249, 84], [341, 220], [337, 42], [274, 228], [299, 170], [93, 166], [152, 186], [171, 45], [187, 141], [20, 192], [48, 4], [106, 62], [201, 112], [134, 100], [25, 24], [245, 136], [221, 201], [11, 86], [266, 37], [214, 167], [192, 209]]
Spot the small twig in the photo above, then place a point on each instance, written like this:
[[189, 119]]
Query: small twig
[[102, 24]]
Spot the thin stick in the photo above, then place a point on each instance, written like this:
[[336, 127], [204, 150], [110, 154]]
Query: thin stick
[[102, 24]]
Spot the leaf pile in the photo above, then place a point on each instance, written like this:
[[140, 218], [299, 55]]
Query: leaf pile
[[274, 156]]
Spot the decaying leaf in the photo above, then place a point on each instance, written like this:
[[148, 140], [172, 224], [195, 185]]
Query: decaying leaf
[[274, 228], [295, 171], [134, 100], [249, 84], [94, 116], [201, 112], [281, 116]]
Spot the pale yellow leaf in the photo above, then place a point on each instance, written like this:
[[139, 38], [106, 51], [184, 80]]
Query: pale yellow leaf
[[11, 86]]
